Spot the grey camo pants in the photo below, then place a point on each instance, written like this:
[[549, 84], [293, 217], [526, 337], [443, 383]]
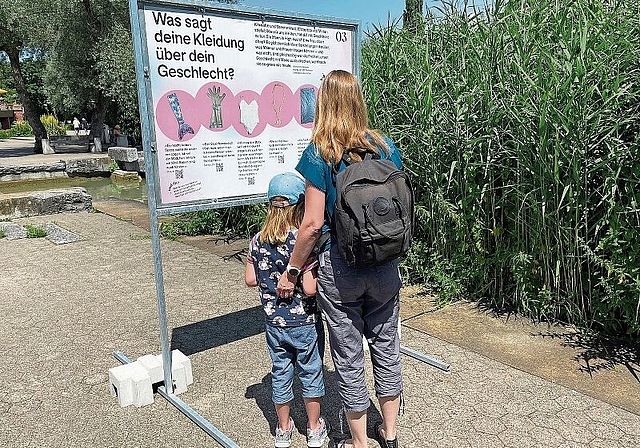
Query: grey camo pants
[[359, 302]]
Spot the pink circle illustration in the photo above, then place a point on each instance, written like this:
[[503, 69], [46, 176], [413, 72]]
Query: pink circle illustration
[[248, 120], [277, 105], [215, 106], [304, 105], [176, 115]]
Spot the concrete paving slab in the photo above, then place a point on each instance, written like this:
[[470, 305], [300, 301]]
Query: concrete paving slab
[[12, 230], [58, 235]]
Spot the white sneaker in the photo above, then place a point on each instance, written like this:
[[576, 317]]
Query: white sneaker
[[283, 436], [316, 437]]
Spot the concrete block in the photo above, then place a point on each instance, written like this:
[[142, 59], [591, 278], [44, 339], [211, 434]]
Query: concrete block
[[153, 366], [123, 153], [178, 357], [181, 372], [131, 384], [142, 387]]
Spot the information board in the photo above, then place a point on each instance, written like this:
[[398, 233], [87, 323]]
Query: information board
[[231, 95]]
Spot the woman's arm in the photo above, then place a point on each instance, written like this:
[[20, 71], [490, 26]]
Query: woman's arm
[[308, 233]]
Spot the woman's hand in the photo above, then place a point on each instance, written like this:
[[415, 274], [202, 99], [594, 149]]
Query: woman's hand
[[285, 285]]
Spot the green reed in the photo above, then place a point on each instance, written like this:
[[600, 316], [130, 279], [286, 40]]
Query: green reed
[[521, 126]]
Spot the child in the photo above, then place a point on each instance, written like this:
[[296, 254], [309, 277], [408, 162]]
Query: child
[[294, 332]]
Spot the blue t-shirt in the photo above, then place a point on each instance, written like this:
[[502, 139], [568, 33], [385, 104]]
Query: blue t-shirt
[[315, 170], [269, 262]]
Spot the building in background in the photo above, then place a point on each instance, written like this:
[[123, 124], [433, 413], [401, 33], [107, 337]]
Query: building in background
[[9, 112]]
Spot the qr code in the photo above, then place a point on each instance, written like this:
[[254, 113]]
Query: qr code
[[179, 174], [251, 181], [219, 167], [281, 159]]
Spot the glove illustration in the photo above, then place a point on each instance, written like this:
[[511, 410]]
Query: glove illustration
[[216, 107]]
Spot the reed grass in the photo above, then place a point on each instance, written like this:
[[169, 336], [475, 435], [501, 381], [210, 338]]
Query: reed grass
[[520, 124]]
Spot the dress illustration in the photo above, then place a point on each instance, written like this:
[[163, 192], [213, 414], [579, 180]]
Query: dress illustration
[[249, 115]]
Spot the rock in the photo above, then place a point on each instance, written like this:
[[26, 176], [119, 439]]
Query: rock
[[121, 176], [28, 172], [128, 159], [47, 202], [123, 154], [122, 141], [89, 167]]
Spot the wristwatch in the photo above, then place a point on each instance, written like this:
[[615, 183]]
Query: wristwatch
[[293, 271]]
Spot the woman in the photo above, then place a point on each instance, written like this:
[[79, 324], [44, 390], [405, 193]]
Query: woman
[[355, 301]]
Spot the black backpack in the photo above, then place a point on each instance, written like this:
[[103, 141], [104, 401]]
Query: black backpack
[[374, 213]]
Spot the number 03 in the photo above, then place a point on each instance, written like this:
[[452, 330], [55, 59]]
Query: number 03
[[341, 36]]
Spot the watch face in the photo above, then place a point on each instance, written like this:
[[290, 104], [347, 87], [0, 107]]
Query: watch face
[[293, 271]]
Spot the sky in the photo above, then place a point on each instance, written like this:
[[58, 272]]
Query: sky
[[368, 11]]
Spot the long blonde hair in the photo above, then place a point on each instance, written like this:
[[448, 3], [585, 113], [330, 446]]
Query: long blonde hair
[[341, 120], [278, 222]]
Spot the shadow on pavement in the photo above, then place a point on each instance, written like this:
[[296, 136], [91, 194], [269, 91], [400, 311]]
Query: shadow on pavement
[[217, 331], [599, 352], [338, 429]]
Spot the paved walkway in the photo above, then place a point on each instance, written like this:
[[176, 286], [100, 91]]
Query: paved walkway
[[67, 307]]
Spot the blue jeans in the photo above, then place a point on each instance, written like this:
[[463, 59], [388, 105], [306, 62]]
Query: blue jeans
[[296, 348]]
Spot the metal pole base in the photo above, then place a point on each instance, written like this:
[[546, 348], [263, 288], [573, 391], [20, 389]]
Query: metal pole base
[[424, 358], [183, 407]]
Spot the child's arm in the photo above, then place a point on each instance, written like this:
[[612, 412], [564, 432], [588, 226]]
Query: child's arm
[[249, 270], [250, 274], [309, 276], [310, 281]]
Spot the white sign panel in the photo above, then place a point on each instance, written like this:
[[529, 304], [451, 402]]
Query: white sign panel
[[233, 97]]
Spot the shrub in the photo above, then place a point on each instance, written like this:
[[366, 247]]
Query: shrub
[[242, 222], [21, 129], [521, 127], [52, 126], [35, 231]]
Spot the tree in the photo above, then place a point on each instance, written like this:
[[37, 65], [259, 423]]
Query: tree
[[89, 57], [12, 41]]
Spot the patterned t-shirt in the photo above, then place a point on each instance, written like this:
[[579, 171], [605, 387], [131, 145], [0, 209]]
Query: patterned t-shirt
[[270, 262]]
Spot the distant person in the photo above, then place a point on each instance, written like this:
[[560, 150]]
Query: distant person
[[106, 133], [116, 133], [84, 124], [76, 125], [294, 331]]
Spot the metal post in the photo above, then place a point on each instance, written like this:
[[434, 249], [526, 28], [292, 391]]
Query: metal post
[[150, 170]]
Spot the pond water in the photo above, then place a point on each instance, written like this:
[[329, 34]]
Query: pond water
[[100, 188]]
